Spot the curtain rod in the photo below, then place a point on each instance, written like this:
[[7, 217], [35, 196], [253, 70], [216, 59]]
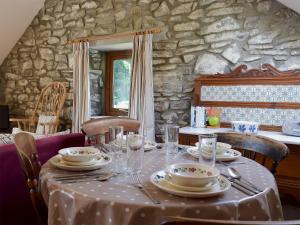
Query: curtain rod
[[116, 35]]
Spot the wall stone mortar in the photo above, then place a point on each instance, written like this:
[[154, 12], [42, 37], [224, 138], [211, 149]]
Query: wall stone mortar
[[198, 37]]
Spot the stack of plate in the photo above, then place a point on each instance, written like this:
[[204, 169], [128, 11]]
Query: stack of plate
[[80, 158], [224, 152], [190, 180]]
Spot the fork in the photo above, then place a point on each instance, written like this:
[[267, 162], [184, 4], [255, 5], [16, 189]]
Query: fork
[[136, 182]]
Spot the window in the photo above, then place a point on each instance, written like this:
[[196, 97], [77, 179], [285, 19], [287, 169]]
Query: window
[[118, 77]]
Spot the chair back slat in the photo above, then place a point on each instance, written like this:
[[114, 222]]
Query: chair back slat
[[96, 128], [31, 166], [251, 145], [254, 156], [51, 100]]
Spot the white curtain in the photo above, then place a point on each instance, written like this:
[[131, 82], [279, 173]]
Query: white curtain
[[141, 104], [81, 90]]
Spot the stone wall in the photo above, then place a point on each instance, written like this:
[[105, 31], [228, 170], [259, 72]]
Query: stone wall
[[198, 37]]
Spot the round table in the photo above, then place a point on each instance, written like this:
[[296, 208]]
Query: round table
[[118, 202]]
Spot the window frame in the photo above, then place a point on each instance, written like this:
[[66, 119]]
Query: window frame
[[110, 57]]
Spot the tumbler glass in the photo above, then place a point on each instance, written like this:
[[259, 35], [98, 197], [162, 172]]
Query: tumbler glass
[[135, 153], [171, 138], [207, 149], [117, 147]]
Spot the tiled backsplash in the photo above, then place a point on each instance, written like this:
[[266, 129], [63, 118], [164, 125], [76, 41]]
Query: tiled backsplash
[[274, 117], [255, 93], [251, 93]]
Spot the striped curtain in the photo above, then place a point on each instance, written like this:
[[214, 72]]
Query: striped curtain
[[81, 88], [141, 104]]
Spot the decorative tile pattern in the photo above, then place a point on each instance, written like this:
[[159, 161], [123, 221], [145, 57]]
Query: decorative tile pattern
[[251, 93], [255, 93], [274, 117]]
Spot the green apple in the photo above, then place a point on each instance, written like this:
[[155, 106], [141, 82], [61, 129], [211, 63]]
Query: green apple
[[213, 121]]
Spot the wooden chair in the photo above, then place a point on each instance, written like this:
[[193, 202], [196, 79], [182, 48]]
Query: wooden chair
[[45, 116], [252, 144], [31, 166], [193, 221], [96, 128]]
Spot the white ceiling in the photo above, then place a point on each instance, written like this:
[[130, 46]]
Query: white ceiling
[[15, 17], [293, 4]]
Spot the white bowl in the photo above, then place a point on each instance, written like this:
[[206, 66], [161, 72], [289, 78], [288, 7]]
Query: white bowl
[[192, 174], [220, 147], [248, 127], [79, 154]]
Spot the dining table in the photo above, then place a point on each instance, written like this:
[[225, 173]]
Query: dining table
[[117, 201]]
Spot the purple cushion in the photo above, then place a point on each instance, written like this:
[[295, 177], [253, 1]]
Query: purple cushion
[[15, 204]]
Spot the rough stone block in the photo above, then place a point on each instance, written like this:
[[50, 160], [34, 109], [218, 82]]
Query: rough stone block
[[225, 11], [197, 14], [225, 24], [161, 106], [232, 53], [180, 104], [163, 10], [206, 2], [188, 26], [181, 51], [89, 5], [210, 64], [291, 44], [46, 53], [189, 42], [295, 52], [162, 54], [224, 36], [183, 8], [175, 60], [169, 116], [264, 38], [188, 58], [165, 45]]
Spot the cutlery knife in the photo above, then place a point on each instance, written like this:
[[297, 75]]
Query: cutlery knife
[[241, 189], [87, 179], [244, 185], [240, 186], [78, 175]]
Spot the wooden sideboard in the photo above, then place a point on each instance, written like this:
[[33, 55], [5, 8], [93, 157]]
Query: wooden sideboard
[[288, 171]]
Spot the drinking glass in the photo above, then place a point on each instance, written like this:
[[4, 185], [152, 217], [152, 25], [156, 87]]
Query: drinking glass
[[207, 149], [117, 148], [135, 153], [171, 138]]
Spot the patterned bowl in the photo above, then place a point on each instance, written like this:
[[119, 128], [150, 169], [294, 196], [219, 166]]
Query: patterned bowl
[[79, 154], [192, 174], [245, 127]]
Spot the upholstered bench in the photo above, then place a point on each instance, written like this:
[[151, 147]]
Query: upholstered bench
[[15, 204]]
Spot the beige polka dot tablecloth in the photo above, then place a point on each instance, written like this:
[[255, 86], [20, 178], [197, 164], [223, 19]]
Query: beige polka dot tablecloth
[[117, 202]]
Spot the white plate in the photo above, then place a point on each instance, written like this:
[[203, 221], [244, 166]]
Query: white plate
[[101, 160], [87, 163], [158, 179], [228, 155], [191, 189]]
